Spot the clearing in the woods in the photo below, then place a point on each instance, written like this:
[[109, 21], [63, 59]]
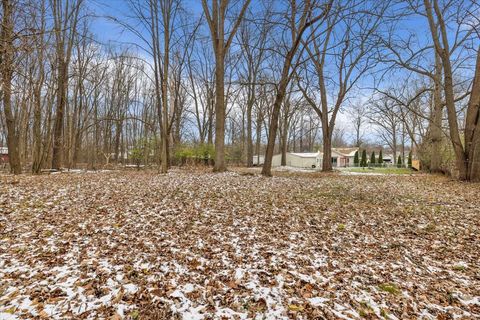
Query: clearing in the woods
[[198, 245]]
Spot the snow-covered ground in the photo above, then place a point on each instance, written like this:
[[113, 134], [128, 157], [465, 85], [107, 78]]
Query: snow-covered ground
[[197, 245]]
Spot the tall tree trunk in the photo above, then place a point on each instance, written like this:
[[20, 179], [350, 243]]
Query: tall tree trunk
[[394, 145], [57, 157], [210, 129], [472, 127], [435, 132], [116, 143], [37, 100], [165, 116], [272, 130], [249, 135], [6, 62], [220, 165], [327, 155], [216, 23], [37, 134], [65, 16], [448, 88], [327, 146], [258, 136], [284, 138]]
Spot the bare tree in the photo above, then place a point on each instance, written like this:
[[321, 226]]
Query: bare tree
[[253, 39], [301, 18], [7, 69], [65, 17], [162, 16], [472, 127], [357, 114], [345, 42], [444, 49], [201, 91], [384, 115], [37, 84], [406, 51], [216, 16]]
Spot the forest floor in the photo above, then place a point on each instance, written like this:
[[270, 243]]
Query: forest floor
[[197, 245]]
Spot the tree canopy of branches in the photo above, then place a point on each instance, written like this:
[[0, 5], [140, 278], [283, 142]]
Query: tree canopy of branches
[[158, 83]]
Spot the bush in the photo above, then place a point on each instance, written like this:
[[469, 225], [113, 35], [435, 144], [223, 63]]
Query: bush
[[399, 162], [234, 154], [205, 152], [380, 158], [137, 155], [410, 159], [363, 163], [372, 159], [356, 161], [183, 153], [194, 154], [141, 152]]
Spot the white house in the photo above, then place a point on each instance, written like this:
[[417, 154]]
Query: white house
[[299, 160], [341, 157], [258, 160], [388, 158], [303, 160]]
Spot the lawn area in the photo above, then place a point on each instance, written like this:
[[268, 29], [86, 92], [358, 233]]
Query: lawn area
[[386, 170], [198, 245]]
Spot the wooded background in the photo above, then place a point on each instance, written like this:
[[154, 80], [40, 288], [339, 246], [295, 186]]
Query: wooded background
[[220, 81]]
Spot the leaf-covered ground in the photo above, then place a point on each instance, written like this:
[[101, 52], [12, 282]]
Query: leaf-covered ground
[[197, 245]]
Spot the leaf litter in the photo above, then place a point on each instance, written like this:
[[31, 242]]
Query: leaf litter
[[197, 245]]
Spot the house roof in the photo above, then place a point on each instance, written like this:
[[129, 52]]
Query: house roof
[[349, 152], [345, 152], [305, 154]]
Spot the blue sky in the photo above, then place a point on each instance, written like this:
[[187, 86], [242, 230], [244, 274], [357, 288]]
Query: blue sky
[[106, 30]]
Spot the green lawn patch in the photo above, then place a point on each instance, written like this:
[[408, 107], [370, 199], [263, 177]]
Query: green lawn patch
[[382, 170]]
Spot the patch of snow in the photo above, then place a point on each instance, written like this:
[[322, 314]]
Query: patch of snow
[[130, 288], [318, 301]]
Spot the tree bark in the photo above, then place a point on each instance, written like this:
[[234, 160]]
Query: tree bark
[[258, 136], [249, 134], [37, 99], [436, 134], [216, 22], [6, 62], [64, 38], [444, 52], [220, 165], [284, 137], [272, 130], [327, 146], [166, 58], [327, 153], [472, 127]]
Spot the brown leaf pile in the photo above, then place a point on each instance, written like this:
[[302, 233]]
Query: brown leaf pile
[[196, 245]]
